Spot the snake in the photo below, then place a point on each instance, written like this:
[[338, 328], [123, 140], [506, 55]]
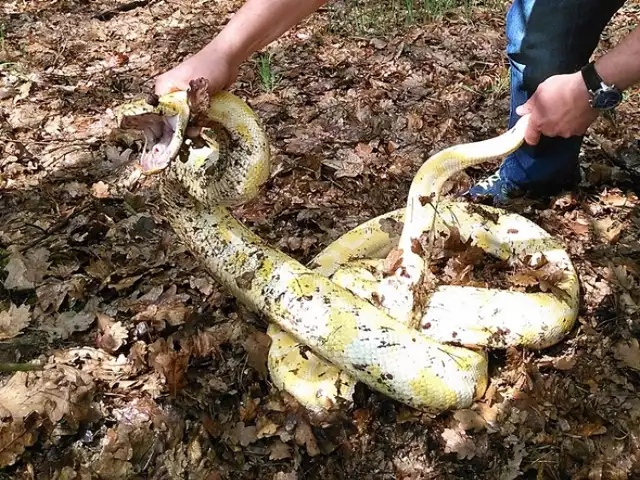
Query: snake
[[360, 310]]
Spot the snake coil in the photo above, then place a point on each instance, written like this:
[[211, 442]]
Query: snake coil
[[424, 349]]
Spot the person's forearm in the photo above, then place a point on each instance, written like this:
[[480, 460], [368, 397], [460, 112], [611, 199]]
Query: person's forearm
[[621, 65], [258, 23]]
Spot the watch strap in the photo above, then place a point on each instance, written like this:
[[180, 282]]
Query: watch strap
[[591, 77]]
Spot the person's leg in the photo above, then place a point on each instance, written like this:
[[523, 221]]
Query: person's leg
[[545, 38]]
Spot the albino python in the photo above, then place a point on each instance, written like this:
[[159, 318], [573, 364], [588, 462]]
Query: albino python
[[346, 317]]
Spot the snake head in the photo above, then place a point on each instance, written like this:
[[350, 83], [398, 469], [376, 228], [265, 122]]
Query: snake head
[[163, 121]]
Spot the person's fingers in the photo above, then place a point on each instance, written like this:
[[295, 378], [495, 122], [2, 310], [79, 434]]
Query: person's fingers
[[532, 134], [165, 84], [525, 108]]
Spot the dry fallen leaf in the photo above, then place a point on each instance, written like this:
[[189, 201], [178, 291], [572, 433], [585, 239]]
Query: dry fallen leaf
[[345, 162], [14, 320], [304, 437], [469, 420], [257, 347], [100, 190], [26, 271], [112, 334], [243, 435], [279, 451], [55, 394], [608, 230], [458, 443], [628, 352], [67, 323], [16, 436], [171, 364]]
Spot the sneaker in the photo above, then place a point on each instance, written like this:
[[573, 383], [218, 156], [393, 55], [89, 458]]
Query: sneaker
[[498, 190], [494, 188]]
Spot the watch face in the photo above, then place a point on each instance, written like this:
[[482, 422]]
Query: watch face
[[607, 99]]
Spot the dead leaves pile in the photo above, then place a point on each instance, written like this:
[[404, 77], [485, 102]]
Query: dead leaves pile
[[129, 315], [34, 404]]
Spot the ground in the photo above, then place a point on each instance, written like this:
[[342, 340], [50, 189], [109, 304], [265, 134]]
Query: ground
[[146, 369]]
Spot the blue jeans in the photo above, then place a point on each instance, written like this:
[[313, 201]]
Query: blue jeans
[[546, 38]]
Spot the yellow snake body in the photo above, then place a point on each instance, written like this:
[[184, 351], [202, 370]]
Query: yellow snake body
[[343, 318]]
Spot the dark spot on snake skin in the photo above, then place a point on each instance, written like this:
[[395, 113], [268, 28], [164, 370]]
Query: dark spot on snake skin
[[364, 328], [512, 230], [244, 281], [454, 334], [360, 367], [326, 300], [303, 351], [376, 298], [388, 376], [385, 344], [427, 325], [385, 329], [391, 227]]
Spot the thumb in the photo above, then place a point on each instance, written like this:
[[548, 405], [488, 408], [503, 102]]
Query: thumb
[[532, 134], [524, 109]]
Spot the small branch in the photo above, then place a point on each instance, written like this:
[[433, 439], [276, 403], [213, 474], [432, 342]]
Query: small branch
[[20, 367]]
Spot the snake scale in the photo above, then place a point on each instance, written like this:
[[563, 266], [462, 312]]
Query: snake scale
[[346, 316]]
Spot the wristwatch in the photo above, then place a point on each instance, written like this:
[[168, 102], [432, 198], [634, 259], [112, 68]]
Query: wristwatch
[[603, 96]]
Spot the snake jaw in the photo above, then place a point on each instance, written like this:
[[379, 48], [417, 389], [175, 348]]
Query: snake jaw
[[163, 125]]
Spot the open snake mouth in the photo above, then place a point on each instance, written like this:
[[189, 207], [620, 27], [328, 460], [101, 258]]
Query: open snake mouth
[[160, 146]]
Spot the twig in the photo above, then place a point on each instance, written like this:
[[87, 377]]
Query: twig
[[48, 232], [20, 367]]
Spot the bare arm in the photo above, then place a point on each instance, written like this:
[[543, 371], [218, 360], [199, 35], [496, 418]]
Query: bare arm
[[258, 23], [255, 25], [621, 65]]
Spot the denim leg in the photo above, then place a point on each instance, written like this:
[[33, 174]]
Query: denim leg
[[546, 38]]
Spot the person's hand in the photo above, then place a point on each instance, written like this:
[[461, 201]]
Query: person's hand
[[210, 63], [559, 108]]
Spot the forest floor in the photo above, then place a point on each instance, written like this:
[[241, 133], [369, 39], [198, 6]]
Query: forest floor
[[151, 371]]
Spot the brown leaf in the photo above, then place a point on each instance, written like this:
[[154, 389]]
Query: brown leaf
[[393, 261], [16, 436], [523, 279], [208, 342], [304, 437], [414, 122], [257, 347], [591, 429], [100, 190], [580, 226], [67, 323], [171, 364], [628, 352], [345, 163], [279, 451], [249, 409], [608, 230], [469, 420], [14, 320], [242, 435], [458, 443], [566, 362], [58, 393], [169, 307], [26, 271], [112, 334]]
